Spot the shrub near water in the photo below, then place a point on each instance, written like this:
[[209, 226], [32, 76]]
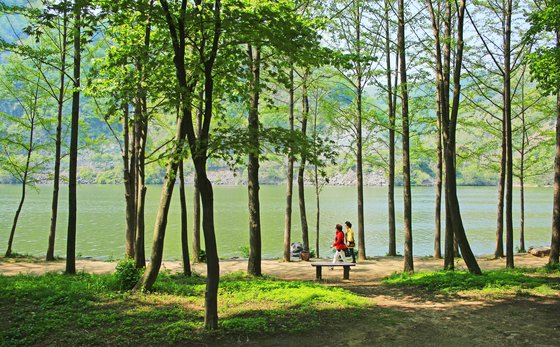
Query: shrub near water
[[126, 274]]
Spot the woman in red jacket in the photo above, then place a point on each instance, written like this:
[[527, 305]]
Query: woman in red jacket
[[339, 244]]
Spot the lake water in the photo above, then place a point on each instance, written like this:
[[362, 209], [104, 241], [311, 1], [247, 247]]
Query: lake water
[[101, 219]]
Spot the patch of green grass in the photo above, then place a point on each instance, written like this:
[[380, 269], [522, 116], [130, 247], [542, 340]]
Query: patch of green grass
[[521, 282], [90, 309]]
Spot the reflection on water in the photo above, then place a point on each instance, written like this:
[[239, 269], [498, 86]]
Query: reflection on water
[[101, 219]]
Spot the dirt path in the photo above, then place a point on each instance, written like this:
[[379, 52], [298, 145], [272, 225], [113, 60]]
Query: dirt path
[[367, 271], [401, 316]]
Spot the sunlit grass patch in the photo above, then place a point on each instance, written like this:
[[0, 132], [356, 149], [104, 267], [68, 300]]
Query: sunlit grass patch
[[92, 309], [501, 282]]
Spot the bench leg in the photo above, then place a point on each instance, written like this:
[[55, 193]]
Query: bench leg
[[346, 272], [318, 272]]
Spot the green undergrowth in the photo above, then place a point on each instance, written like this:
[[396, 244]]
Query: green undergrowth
[[86, 310], [522, 282]]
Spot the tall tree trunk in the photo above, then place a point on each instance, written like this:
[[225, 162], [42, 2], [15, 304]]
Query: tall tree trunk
[[196, 191], [439, 180], [555, 241], [439, 171], [141, 135], [73, 164], [160, 226], [301, 171], [197, 145], [449, 123], [129, 185], [509, 140], [451, 186], [499, 250], [450, 242], [290, 178], [522, 207], [360, 174], [58, 140], [442, 66], [392, 123], [317, 188], [254, 263], [16, 217], [449, 259], [184, 229], [212, 261], [524, 143], [206, 193], [407, 194], [455, 214], [139, 247], [358, 127]]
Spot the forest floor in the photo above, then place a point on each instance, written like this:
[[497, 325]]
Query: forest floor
[[401, 315]]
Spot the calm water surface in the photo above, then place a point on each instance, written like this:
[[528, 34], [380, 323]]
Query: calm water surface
[[101, 219]]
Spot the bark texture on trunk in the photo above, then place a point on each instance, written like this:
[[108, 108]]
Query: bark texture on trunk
[[290, 178], [129, 185], [196, 191], [407, 194], [160, 226], [140, 191], [449, 112], [196, 221], [184, 229], [254, 262], [555, 241], [301, 171], [198, 146], [392, 123], [499, 249], [73, 162], [449, 259], [439, 179], [509, 140]]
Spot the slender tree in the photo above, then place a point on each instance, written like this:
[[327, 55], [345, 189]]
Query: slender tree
[[290, 174], [19, 147], [184, 229], [207, 48], [301, 170], [50, 50], [407, 198], [196, 191], [544, 65], [141, 133], [391, 110], [254, 263], [353, 38], [73, 164], [58, 137], [450, 112]]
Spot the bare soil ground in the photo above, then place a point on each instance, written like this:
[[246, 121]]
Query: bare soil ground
[[401, 316]]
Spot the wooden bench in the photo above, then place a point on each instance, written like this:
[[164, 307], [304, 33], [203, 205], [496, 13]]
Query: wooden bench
[[319, 267]]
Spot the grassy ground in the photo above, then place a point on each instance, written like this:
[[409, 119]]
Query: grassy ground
[[86, 309], [426, 308]]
